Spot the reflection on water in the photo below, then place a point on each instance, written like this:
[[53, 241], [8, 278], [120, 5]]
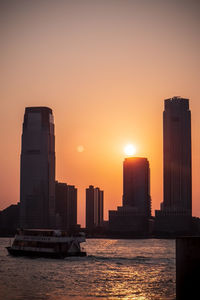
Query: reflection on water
[[113, 269]]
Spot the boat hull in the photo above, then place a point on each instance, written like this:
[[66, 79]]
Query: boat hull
[[16, 252]]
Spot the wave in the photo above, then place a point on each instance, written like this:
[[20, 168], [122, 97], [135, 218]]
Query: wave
[[118, 258], [121, 259]]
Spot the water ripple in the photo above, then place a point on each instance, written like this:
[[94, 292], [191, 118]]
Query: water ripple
[[113, 269]]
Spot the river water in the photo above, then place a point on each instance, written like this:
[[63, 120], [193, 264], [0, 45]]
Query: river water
[[114, 269]]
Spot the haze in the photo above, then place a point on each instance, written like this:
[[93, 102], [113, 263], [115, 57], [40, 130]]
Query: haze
[[104, 67]]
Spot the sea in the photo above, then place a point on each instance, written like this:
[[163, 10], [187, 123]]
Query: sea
[[113, 269]]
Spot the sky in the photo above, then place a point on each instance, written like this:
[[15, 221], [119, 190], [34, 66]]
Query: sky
[[105, 68]]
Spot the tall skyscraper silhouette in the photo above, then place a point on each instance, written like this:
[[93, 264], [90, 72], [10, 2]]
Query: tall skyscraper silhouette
[[37, 178], [177, 156], [136, 185], [175, 215], [134, 216]]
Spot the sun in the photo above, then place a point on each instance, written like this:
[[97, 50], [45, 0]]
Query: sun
[[80, 148], [129, 149]]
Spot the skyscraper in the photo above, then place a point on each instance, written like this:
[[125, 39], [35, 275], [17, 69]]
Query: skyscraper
[[66, 205], [177, 156], [136, 185], [134, 216], [175, 215], [37, 178], [100, 207], [94, 207], [72, 202]]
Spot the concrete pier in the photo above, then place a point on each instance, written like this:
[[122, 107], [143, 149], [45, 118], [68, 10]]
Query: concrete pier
[[187, 268]]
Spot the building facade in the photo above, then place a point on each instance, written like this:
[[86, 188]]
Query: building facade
[[94, 207], [66, 205], [37, 171], [177, 156], [176, 210], [134, 216], [100, 207], [9, 220], [136, 185]]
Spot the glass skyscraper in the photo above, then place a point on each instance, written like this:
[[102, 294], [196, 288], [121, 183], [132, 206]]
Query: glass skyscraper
[[134, 217], [177, 157], [37, 172], [136, 185]]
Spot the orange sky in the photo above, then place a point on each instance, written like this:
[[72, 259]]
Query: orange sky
[[104, 67]]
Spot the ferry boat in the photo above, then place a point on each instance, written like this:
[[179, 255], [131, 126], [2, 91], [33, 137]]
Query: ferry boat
[[46, 243]]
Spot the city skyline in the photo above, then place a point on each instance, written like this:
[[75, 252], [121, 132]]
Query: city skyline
[[37, 187], [104, 68], [28, 109]]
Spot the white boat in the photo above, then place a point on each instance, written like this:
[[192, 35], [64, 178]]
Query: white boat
[[46, 243]]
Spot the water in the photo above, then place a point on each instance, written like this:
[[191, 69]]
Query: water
[[113, 269]]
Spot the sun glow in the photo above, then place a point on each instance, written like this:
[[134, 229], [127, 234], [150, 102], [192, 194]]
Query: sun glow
[[129, 149]]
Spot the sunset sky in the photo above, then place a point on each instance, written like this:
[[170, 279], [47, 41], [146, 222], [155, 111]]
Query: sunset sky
[[105, 68]]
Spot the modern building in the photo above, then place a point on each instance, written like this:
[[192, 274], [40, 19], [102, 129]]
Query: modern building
[[100, 207], [94, 207], [176, 209], [9, 219], [37, 172], [66, 205], [136, 185], [177, 156], [134, 216]]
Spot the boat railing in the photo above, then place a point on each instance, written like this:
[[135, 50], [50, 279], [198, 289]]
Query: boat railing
[[49, 233]]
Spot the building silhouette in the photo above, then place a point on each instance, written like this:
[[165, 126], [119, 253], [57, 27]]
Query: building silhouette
[[94, 207], [177, 156], [176, 209], [66, 205], [136, 185], [100, 207], [37, 172], [9, 219], [134, 215]]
